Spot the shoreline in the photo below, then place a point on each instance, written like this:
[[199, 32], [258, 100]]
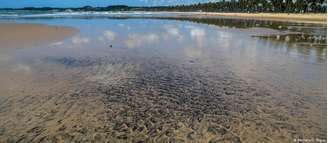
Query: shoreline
[[314, 18], [311, 18]]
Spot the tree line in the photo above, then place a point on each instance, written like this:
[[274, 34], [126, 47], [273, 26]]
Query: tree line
[[282, 6]]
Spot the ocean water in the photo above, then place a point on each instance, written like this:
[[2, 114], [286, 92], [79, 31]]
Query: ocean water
[[75, 14]]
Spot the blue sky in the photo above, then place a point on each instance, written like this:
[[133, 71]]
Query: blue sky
[[78, 3]]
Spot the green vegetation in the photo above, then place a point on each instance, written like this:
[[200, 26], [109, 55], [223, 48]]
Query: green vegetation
[[287, 6], [281, 6]]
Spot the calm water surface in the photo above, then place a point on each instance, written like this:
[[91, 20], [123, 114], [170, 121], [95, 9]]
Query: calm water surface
[[182, 79]]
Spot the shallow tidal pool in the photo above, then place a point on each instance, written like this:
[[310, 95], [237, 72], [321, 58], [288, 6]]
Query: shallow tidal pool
[[167, 80]]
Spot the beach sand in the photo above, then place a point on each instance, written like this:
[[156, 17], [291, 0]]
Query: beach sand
[[16, 35], [140, 105], [301, 18], [138, 98]]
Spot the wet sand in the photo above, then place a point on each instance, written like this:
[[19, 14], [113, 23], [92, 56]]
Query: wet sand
[[27, 35], [145, 99], [140, 94]]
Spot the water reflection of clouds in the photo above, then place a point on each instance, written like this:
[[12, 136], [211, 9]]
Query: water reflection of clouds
[[137, 40], [172, 31], [80, 40], [131, 37], [74, 42], [184, 36], [224, 35], [197, 34], [127, 27], [224, 39], [57, 43], [109, 35]]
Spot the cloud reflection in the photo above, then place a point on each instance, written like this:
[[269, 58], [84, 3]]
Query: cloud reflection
[[57, 43], [172, 31], [109, 35], [80, 40], [197, 34], [124, 26], [136, 40]]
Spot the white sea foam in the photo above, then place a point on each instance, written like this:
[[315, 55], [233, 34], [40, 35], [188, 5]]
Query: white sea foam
[[76, 14]]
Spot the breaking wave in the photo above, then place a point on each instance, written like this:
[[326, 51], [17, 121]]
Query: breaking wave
[[72, 14]]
